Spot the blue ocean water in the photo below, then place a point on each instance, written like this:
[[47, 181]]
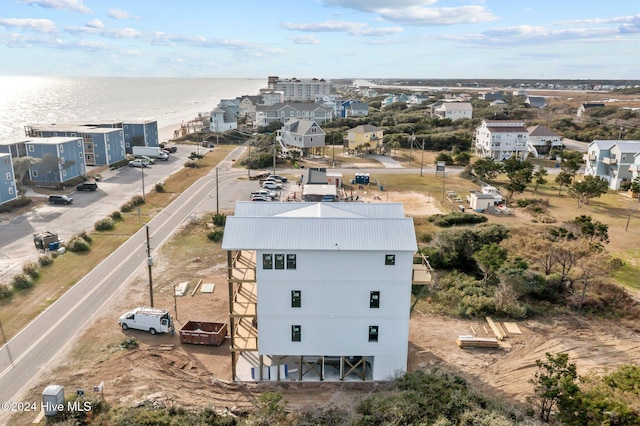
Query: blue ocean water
[[171, 101]]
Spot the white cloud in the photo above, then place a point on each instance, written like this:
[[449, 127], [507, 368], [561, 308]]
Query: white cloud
[[418, 15], [375, 5], [353, 28], [60, 4], [307, 39], [95, 23], [118, 14], [38, 25]]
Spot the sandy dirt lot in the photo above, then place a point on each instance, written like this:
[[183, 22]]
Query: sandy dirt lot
[[197, 376]]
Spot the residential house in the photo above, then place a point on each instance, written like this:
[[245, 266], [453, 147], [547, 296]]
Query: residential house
[[543, 139], [299, 90], [319, 291], [17, 149], [8, 190], [587, 106], [498, 103], [302, 135], [634, 169], [612, 160], [454, 110], [247, 107], [103, 146], [284, 112], [491, 96], [352, 108], [418, 99], [392, 99], [224, 118], [271, 97], [364, 137], [502, 139], [536, 101], [62, 159]]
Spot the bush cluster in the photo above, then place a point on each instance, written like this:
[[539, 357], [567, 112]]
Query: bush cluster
[[216, 235], [131, 204], [21, 282], [14, 204], [45, 260], [219, 219], [5, 291], [78, 244], [191, 164], [105, 224], [31, 270], [116, 215], [453, 219]]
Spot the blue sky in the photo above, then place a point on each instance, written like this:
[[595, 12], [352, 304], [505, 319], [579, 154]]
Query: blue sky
[[538, 39]]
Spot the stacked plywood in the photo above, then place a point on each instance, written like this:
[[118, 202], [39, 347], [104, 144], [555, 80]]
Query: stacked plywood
[[467, 341]]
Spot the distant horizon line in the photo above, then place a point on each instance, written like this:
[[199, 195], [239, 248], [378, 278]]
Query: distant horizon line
[[337, 78]]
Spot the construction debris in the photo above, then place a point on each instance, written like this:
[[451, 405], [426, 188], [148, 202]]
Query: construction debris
[[468, 341], [512, 328], [497, 331]]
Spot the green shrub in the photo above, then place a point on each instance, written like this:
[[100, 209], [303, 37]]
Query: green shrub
[[219, 219], [77, 244], [215, 235], [191, 164], [138, 200], [160, 187], [452, 219], [31, 270], [21, 282], [129, 343], [116, 215], [105, 224], [5, 291], [45, 260], [131, 204], [126, 207], [86, 237]]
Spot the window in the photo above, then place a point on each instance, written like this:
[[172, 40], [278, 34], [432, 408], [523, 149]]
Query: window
[[374, 299], [373, 333], [267, 261], [296, 333], [390, 259], [11, 190], [34, 173], [291, 261], [279, 261], [32, 148], [296, 298], [8, 176], [61, 148]]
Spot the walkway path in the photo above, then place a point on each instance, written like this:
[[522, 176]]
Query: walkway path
[[386, 161]]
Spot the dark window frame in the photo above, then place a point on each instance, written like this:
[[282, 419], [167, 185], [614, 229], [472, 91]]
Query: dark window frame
[[374, 299], [389, 259], [267, 261], [279, 261], [374, 333], [291, 260], [296, 298], [296, 333]]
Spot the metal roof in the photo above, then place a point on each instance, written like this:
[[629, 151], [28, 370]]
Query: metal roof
[[319, 226]]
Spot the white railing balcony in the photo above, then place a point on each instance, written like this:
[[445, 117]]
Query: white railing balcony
[[609, 160], [634, 168], [589, 157]]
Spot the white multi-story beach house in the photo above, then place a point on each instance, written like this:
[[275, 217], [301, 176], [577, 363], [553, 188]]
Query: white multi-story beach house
[[319, 291], [612, 160], [502, 139], [299, 90], [454, 110]]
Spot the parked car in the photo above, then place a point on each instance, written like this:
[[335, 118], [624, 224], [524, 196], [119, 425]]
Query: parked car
[[138, 162], [271, 179], [149, 160], [60, 199], [260, 198], [87, 186], [265, 193], [277, 177], [271, 185]]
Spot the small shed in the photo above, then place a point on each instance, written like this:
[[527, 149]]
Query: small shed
[[481, 202], [52, 399]]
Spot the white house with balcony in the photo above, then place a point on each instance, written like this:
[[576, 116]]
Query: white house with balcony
[[634, 169], [454, 110], [543, 139], [613, 160], [319, 291], [502, 139], [302, 135]]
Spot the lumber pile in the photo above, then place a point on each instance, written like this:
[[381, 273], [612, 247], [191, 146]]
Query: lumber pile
[[467, 341]]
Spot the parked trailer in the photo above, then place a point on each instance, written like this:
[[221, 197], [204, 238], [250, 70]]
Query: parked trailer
[[149, 151], [203, 333]]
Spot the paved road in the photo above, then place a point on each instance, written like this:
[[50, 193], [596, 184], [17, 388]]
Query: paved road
[[31, 350]]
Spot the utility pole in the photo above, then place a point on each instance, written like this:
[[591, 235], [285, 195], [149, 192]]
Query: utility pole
[[142, 170], [412, 139], [249, 163], [274, 156], [333, 149], [217, 192], [422, 158], [149, 264]]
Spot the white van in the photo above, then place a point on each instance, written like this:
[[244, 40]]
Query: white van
[[147, 319]]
